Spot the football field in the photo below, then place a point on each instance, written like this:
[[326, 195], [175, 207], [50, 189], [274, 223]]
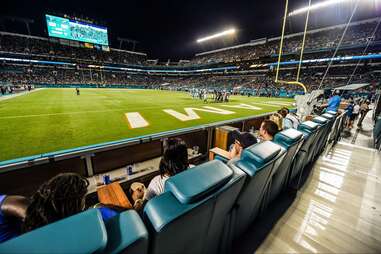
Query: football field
[[50, 120]]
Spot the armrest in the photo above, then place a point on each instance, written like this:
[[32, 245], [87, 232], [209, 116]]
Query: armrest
[[218, 151]]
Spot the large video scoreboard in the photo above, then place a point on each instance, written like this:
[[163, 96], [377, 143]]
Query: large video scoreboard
[[75, 30]]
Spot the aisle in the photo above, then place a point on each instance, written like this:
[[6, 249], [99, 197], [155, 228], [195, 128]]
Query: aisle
[[338, 210]]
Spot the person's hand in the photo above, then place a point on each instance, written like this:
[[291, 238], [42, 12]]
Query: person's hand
[[138, 204]]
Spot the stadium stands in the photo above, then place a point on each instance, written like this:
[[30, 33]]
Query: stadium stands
[[255, 73]]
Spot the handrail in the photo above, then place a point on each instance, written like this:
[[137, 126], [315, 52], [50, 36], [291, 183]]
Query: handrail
[[8, 165]]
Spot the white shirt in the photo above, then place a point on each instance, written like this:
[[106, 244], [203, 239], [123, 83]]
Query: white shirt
[[156, 186], [356, 109], [291, 121]]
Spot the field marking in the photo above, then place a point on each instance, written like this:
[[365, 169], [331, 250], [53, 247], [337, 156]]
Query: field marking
[[136, 120], [264, 104], [281, 103], [192, 115], [11, 96], [243, 106], [114, 110]]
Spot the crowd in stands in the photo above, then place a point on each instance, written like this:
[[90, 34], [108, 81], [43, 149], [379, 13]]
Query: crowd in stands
[[358, 34], [258, 81], [51, 49], [250, 85]]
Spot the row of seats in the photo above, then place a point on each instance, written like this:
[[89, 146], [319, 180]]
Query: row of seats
[[202, 209]]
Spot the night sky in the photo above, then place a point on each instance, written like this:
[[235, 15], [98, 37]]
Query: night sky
[[164, 28]]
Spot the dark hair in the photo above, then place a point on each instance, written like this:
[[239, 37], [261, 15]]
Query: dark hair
[[60, 197], [284, 112], [175, 158], [270, 126], [246, 139]]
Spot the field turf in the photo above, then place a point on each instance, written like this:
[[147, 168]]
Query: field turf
[[55, 119]]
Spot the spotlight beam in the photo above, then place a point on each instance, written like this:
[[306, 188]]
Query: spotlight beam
[[217, 35]]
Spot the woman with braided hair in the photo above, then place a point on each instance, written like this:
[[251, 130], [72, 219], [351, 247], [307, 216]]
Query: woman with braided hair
[[60, 197]]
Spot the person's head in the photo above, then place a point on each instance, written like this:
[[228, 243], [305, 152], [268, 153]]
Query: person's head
[[268, 130], [174, 159], [243, 139], [278, 119], [58, 198], [284, 112], [14, 207]]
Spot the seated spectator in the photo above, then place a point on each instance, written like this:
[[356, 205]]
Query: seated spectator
[[60, 197], [268, 130], [242, 140], [290, 120], [278, 119], [12, 214], [174, 161]]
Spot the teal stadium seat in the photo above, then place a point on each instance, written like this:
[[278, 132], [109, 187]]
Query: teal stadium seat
[[333, 126], [321, 139], [334, 113], [258, 162], [83, 233], [291, 140], [126, 234], [193, 215], [306, 151]]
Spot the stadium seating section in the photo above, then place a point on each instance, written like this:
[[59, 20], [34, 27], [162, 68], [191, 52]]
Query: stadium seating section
[[320, 43], [202, 210]]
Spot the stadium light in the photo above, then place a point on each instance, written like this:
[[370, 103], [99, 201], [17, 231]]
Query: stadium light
[[322, 5], [224, 33]]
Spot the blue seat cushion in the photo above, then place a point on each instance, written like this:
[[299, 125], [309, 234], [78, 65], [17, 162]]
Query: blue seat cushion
[[261, 153], [331, 112], [308, 126], [123, 230], [328, 116], [320, 120], [80, 233], [288, 138], [206, 178]]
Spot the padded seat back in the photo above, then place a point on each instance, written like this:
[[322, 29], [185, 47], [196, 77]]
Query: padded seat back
[[306, 151], [333, 126], [321, 139], [193, 214], [126, 234], [81, 233], [291, 140], [258, 162]]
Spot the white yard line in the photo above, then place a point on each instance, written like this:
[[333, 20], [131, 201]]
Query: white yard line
[[136, 120], [11, 96]]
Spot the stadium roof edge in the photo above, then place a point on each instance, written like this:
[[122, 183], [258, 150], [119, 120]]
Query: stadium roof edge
[[252, 43], [47, 39], [353, 86], [262, 41]]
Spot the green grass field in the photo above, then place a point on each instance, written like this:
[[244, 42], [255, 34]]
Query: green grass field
[[55, 119]]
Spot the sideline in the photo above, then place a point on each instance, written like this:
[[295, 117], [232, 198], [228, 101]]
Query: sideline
[[11, 96]]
